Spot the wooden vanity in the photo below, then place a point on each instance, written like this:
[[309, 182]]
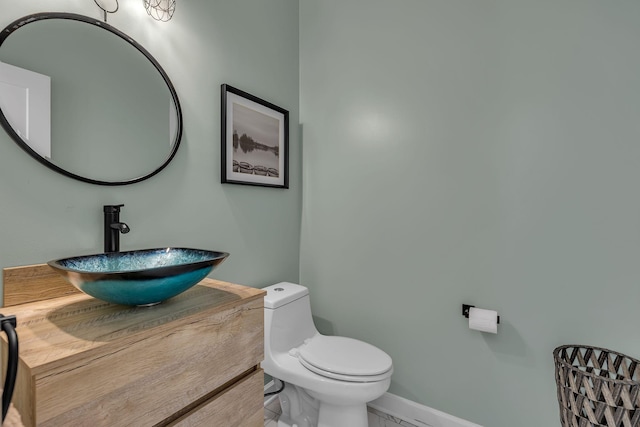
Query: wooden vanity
[[193, 360]]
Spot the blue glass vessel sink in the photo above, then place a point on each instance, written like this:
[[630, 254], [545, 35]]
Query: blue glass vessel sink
[[143, 277]]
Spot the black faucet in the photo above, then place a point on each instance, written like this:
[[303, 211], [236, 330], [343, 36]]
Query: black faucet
[[113, 227]]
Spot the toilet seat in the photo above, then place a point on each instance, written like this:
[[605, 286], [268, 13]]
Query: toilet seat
[[344, 359]]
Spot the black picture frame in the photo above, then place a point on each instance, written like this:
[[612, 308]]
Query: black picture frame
[[254, 140]]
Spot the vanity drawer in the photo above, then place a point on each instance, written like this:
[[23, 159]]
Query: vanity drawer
[[241, 405], [172, 369]]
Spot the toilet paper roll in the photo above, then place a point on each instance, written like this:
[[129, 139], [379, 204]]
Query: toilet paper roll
[[483, 320]]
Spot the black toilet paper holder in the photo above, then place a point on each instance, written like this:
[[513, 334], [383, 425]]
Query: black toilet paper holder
[[465, 311]]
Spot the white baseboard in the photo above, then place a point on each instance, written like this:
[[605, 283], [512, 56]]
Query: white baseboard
[[268, 387], [417, 414]]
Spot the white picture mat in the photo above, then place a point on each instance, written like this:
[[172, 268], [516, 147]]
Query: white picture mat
[[232, 98]]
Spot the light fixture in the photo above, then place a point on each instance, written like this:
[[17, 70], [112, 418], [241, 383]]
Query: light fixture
[[105, 11], [160, 10]]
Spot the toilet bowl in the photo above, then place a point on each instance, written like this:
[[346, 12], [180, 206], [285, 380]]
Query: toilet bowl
[[328, 379]]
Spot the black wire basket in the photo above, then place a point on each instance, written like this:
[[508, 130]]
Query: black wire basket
[[597, 387]]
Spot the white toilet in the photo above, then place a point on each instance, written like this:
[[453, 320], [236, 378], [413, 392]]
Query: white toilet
[[328, 380]]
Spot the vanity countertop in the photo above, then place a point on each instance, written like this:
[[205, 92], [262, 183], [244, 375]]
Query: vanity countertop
[[193, 357], [65, 329]]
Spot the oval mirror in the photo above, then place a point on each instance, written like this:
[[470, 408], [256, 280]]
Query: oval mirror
[[86, 100]]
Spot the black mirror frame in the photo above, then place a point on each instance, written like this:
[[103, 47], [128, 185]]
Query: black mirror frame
[[19, 23]]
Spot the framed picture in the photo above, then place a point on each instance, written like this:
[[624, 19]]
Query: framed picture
[[255, 140]]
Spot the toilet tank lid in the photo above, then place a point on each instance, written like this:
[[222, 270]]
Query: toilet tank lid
[[283, 293]]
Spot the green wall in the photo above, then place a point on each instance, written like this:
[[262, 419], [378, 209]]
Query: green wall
[[246, 43], [454, 152], [480, 152]]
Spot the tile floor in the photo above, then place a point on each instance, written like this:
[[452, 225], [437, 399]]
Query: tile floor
[[376, 418]]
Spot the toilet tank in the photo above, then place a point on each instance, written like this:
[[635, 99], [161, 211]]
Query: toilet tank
[[287, 317]]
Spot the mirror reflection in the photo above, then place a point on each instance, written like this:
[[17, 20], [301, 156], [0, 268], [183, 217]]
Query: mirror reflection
[[87, 101]]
